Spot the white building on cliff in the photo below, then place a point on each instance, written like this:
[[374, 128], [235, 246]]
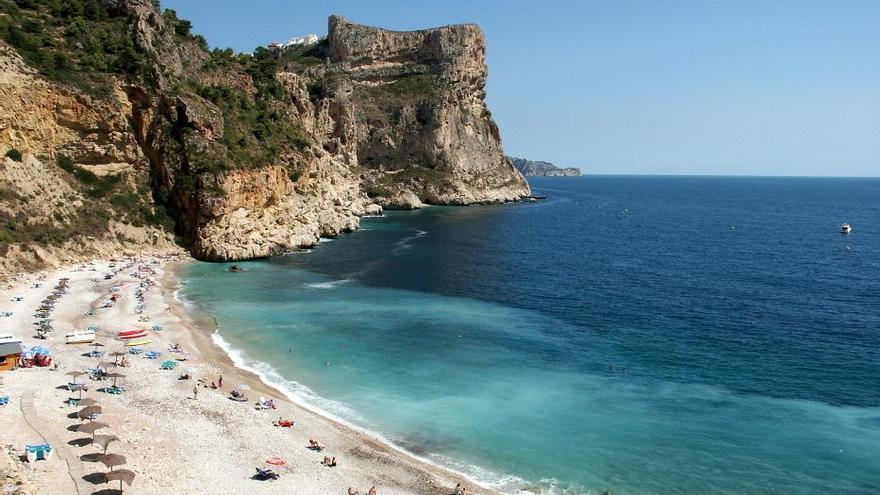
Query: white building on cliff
[[309, 39]]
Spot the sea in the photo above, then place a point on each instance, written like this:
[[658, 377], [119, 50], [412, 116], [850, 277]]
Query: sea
[[630, 334]]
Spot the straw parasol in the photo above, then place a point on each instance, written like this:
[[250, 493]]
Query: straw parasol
[[116, 355], [114, 376], [88, 412], [104, 441], [75, 374], [243, 387], [92, 427], [111, 460], [125, 475], [97, 344], [88, 401]]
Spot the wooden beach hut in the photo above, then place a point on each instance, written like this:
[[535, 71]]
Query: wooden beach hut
[[9, 354]]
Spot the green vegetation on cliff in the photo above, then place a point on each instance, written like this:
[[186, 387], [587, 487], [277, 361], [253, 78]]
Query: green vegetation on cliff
[[75, 42]]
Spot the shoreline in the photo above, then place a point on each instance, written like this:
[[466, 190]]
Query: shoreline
[[160, 423], [205, 330]]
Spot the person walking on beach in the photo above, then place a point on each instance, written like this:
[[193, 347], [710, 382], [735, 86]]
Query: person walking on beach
[[220, 381], [196, 392]]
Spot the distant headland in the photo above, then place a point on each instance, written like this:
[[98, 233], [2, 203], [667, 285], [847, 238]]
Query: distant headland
[[531, 168]]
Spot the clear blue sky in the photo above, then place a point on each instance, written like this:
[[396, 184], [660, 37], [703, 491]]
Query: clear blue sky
[[680, 87]]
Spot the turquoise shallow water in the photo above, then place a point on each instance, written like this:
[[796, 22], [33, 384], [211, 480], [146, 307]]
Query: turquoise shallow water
[[634, 334]]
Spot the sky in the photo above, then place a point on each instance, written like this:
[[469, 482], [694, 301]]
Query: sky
[[651, 87]]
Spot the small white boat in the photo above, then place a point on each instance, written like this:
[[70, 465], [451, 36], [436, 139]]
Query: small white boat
[[84, 337], [845, 228]]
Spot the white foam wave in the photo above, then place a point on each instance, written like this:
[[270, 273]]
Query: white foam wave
[[406, 242], [183, 300], [328, 285], [304, 397]]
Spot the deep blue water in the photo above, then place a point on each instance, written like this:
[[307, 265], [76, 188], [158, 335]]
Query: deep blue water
[[645, 335]]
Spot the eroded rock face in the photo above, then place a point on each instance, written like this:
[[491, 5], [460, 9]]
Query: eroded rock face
[[418, 103], [392, 119]]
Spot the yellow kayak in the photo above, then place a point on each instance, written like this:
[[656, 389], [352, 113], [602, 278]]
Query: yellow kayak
[[138, 342]]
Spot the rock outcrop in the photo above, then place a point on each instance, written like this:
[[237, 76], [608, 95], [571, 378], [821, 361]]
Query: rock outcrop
[[234, 157], [531, 168], [420, 120]]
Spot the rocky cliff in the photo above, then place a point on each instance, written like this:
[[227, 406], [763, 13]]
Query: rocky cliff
[[122, 127], [421, 123], [532, 168]]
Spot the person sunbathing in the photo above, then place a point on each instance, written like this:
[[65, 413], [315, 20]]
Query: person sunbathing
[[314, 445], [284, 423], [372, 490], [329, 462], [352, 491]]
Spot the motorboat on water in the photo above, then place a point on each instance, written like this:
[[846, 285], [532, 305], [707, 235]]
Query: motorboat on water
[[80, 337], [845, 228]]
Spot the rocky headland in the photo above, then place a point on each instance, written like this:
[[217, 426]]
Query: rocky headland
[[124, 133], [532, 168]]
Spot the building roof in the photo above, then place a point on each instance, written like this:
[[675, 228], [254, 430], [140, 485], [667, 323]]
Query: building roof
[[9, 348]]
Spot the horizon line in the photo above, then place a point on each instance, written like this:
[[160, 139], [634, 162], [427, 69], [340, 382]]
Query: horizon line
[[732, 176]]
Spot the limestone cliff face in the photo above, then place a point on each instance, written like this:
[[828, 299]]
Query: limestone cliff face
[[420, 120], [229, 156], [48, 218]]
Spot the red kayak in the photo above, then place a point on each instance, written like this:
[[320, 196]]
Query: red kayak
[[130, 332], [133, 336]]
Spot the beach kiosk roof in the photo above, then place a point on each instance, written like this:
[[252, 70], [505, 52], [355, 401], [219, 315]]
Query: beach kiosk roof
[[9, 354]]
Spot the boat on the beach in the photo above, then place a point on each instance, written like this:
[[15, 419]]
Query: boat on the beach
[[845, 228], [138, 342], [9, 339], [130, 332], [79, 337], [133, 336]]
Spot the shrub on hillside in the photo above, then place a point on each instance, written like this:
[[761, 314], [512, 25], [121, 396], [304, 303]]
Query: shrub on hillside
[[14, 154]]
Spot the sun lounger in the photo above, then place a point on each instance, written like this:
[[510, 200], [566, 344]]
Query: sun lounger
[[4, 400], [169, 365], [114, 390], [73, 387]]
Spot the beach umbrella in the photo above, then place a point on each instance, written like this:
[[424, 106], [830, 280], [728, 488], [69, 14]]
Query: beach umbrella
[[75, 374], [114, 376], [111, 460], [97, 344], [88, 412], [88, 402], [92, 427], [116, 355], [125, 475], [276, 461], [104, 441], [243, 387]]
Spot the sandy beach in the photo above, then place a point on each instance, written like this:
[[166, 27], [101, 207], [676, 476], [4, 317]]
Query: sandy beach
[[173, 442]]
